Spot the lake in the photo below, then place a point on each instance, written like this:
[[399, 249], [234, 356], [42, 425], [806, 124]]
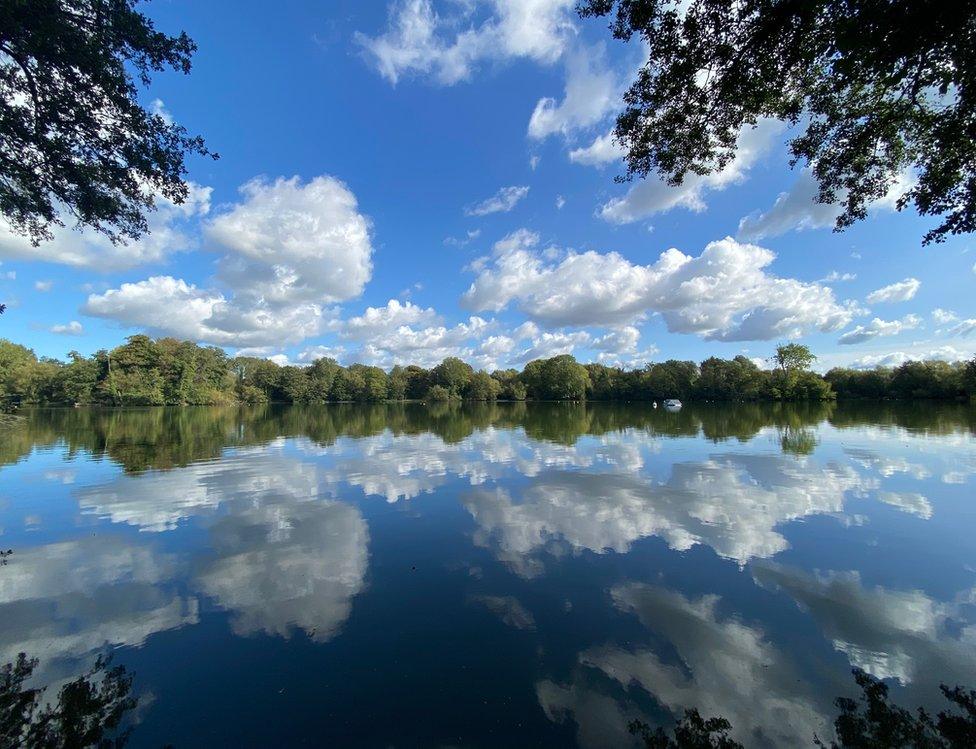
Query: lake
[[491, 575]]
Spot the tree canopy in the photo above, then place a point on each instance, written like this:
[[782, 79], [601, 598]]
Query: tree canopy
[[165, 371], [875, 87], [75, 143]]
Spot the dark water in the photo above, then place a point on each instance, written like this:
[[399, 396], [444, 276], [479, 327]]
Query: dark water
[[504, 575]]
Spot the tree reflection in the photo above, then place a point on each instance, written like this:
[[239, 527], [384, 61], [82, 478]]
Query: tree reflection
[[163, 438], [88, 712], [870, 721]]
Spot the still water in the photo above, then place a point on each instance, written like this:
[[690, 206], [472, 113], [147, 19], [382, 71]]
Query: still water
[[505, 575]]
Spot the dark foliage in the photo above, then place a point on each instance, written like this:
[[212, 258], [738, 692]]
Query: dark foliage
[[872, 721], [75, 144], [164, 371], [691, 732], [877, 86], [88, 711]]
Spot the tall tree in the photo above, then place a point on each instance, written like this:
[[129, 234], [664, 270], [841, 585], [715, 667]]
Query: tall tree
[[75, 143], [875, 86], [793, 357]]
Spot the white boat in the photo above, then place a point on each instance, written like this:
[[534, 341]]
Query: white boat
[[672, 404]]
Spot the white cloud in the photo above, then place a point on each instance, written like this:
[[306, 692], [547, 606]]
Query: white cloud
[[880, 328], [546, 345], [381, 321], [725, 667], [652, 195], [167, 233], [735, 504], [896, 292], [910, 502], [68, 601], [798, 209], [603, 150], [289, 248], [560, 202], [724, 294], [281, 556], [944, 316], [384, 346], [891, 634], [448, 49], [592, 92], [43, 286], [291, 242], [834, 276], [170, 306], [964, 327], [72, 328], [534, 162], [470, 236], [501, 202], [896, 358]]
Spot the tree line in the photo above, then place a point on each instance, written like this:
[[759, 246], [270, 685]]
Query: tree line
[[151, 372]]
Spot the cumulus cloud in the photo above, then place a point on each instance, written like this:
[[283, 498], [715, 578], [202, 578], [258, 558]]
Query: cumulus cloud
[[43, 286], [289, 241], [896, 358], [288, 249], [281, 555], [724, 294], [381, 321], [910, 502], [896, 292], [283, 564], [652, 195], [963, 328], [501, 202], [449, 48], [944, 316], [168, 232], [426, 346], [170, 306], [72, 328], [67, 600], [603, 150], [880, 328], [799, 210], [891, 634], [734, 504], [716, 664], [592, 92]]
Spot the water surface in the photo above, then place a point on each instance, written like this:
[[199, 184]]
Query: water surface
[[501, 575]]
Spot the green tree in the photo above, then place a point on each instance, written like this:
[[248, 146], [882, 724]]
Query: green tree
[[74, 140], [483, 387], [321, 375], [399, 382], [557, 378], [294, 384], [16, 367], [453, 375], [792, 357], [439, 393], [77, 380], [134, 377], [374, 385], [873, 88]]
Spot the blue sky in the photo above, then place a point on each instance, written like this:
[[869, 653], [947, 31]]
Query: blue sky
[[402, 182]]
